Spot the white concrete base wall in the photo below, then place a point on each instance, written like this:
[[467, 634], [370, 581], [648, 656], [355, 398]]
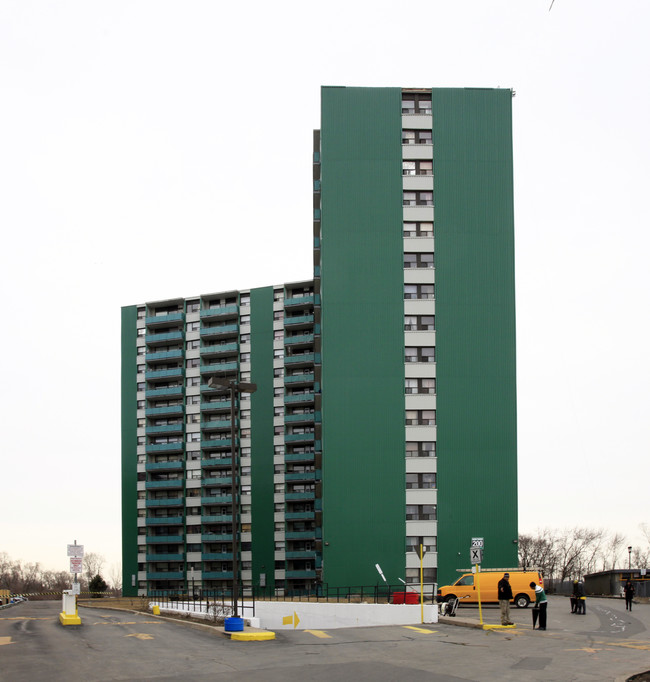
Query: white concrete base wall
[[273, 615]]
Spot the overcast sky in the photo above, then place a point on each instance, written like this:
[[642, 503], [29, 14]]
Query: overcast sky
[[153, 149]]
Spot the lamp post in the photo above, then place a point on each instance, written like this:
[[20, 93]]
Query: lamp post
[[234, 387], [629, 558]]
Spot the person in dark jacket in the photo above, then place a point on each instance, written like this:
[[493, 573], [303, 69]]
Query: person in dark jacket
[[504, 592], [581, 599], [628, 590], [574, 598]]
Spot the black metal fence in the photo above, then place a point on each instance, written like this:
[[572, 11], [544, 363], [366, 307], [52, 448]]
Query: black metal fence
[[216, 603]]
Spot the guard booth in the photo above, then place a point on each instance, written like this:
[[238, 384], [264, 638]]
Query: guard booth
[[612, 582]]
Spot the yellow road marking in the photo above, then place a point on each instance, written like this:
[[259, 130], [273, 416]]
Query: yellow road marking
[[319, 633], [424, 631], [588, 649], [140, 635], [5, 640], [633, 644], [131, 622]]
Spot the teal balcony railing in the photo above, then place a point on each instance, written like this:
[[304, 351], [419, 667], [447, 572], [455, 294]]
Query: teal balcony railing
[[299, 574], [219, 349], [298, 319], [166, 338], [217, 575], [299, 300], [298, 437], [165, 575], [220, 311], [216, 537], [166, 410], [216, 499], [218, 330], [169, 318], [300, 476], [164, 520], [166, 539], [165, 557], [165, 447], [217, 367], [307, 495], [164, 485], [165, 355], [176, 465], [215, 443], [300, 338], [299, 398], [164, 373], [217, 556], [166, 391], [221, 462], [164, 428], [299, 378], [165, 501]]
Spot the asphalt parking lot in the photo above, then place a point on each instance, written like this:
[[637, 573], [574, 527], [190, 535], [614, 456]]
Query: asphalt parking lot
[[607, 643]]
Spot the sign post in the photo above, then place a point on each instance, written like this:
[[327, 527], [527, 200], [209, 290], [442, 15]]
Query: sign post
[[476, 557], [69, 614]]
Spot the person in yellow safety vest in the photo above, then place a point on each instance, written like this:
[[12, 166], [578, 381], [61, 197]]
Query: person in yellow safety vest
[[581, 599]]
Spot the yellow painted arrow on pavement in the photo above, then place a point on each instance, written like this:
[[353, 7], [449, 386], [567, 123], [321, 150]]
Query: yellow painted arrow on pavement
[[140, 635], [288, 620], [5, 640]]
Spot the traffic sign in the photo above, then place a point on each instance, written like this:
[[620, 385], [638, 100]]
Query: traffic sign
[[478, 542], [76, 551], [475, 555], [76, 564]]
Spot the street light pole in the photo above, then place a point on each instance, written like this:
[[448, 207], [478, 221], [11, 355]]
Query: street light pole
[[234, 388], [629, 558]]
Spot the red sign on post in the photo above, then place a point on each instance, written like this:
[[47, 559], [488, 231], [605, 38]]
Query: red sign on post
[[75, 565]]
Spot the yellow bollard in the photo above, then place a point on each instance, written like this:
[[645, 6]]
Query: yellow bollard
[[156, 610]]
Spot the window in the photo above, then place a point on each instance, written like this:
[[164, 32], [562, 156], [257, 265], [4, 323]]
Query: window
[[245, 338], [140, 369], [429, 543], [417, 198], [419, 386], [278, 334], [278, 353], [416, 103], [244, 357], [193, 418], [193, 400], [141, 405], [420, 481], [419, 354], [193, 345], [421, 512], [141, 386], [414, 323], [278, 315], [193, 381], [419, 291], [424, 448], [419, 167], [193, 437], [418, 260], [245, 319], [418, 229], [192, 362], [245, 299], [193, 326], [420, 418], [416, 137], [193, 306]]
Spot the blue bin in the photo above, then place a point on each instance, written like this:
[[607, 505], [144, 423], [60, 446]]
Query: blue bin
[[234, 624]]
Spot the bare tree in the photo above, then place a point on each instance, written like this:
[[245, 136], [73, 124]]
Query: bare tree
[[612, 551], [115, 577], [93, 565]]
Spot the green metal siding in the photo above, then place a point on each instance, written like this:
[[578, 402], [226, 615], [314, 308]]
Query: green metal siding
[[475, 327], [362, 336], [129, 450], [262, 434]]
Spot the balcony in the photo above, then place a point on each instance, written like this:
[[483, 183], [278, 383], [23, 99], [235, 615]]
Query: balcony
[[307, 437], [176, 465], [305, 554], [164, 447], [301, 535], [300, 476], [214, 368], [165, 557], [169, 484], [222, 311], [214, 537], [299, 574], [164, 428], [215, 405], [219, 330], [165, 501], [306, 378], [216, 499], [164, 338], [217, 575], [215, 518], [164, 392], [299, 515], [169, 373], [165, 355], [166, 539], [166, 319], [299, 398], [221, 462], [163, 411], [299, 320], [301, 301], [217, 425], [299, 339], [164, 520], [302, 359], [306, 495], [165, 575], [220, 349], [216, 443], [221, 556], [300, 417], [299, 457], [220, 481]]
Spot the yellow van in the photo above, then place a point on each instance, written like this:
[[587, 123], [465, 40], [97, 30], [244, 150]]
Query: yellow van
[[465, 587]]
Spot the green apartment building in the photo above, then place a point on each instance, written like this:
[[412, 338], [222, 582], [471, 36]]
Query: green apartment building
[[385, 410]]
